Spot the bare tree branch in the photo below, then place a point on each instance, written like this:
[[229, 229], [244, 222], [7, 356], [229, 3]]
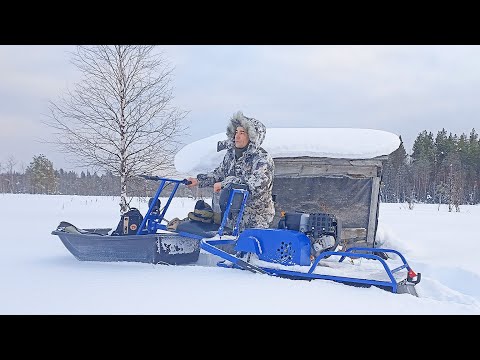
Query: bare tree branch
[[119, 117]]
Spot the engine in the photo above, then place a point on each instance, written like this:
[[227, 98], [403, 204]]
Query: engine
[[321, 229]]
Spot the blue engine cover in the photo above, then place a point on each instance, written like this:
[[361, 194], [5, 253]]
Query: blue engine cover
[[286, 247]]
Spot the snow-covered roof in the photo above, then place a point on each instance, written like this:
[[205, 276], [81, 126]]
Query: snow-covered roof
[[343, 143]]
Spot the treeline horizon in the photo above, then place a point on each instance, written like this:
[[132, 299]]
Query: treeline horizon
[[442, 169]]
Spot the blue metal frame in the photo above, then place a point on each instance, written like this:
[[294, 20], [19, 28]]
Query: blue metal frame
[[352, 254], [236, 227], [152, 222], [209, 245]]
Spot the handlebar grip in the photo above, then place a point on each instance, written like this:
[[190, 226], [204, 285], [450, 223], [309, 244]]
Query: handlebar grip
[[149, 177], [186, 182]]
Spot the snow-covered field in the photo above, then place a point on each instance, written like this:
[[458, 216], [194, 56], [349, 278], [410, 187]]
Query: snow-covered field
[[39, 276]]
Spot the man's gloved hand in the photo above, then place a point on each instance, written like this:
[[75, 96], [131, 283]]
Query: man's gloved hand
[[193, 182]]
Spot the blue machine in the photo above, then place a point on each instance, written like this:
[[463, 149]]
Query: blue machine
[[289, 248], [286, 247], [294, 250]]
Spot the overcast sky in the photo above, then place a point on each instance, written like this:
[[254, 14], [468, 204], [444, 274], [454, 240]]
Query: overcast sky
[[398, 88]]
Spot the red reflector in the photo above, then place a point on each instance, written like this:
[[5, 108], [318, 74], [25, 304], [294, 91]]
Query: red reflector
[[411, 274]]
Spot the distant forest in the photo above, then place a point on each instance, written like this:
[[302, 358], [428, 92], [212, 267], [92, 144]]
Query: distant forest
[[442, 169]]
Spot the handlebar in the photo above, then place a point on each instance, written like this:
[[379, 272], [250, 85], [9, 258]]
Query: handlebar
[[158, 178]]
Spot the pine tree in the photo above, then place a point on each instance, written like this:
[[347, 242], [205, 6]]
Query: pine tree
[[41, 175]]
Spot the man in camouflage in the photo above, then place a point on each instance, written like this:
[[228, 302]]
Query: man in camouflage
[[245, 162]]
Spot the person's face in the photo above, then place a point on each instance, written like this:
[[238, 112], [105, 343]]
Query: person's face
[[241, 137]]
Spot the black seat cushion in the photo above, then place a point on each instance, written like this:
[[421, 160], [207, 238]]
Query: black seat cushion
[[207, 230]]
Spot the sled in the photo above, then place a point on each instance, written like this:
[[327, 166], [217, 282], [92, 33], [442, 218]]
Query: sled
[[151, 243]]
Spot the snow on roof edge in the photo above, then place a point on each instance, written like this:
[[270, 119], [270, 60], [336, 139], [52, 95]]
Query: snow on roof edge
[[340, 143]]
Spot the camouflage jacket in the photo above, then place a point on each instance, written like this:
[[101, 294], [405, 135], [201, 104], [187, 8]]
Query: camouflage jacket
[[255, 168]]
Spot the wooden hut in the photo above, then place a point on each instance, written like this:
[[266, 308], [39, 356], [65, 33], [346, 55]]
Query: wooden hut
[[347, 188]]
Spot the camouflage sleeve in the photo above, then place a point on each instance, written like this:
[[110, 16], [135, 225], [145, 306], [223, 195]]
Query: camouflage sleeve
[[210, 178], [259, 179]]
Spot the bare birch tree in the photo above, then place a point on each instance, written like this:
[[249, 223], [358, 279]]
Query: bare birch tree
[[119, 117]]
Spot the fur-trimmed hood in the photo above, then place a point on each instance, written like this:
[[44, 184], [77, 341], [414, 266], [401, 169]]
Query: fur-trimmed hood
[[255, 129]]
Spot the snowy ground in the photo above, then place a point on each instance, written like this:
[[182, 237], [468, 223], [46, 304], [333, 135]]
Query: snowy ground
[[39, 276]]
